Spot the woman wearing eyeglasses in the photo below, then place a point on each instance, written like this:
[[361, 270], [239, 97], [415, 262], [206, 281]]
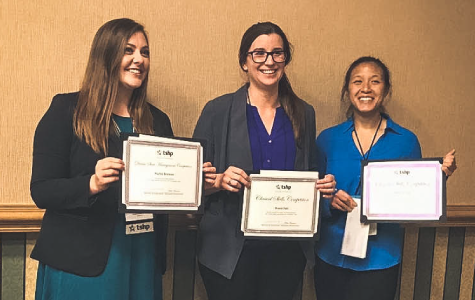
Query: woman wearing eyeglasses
[[262, 126]]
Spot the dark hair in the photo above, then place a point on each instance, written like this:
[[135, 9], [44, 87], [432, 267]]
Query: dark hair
[[346, 83], [100, 86], [291, 103]]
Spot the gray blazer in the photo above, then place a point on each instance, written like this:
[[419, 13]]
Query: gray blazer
[[223, 125]]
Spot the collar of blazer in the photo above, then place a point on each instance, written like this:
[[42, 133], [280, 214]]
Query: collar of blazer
[[236, 136]]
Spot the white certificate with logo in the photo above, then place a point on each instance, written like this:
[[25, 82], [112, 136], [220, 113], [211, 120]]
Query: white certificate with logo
[[161, 174], [281, 204], [403, 191]]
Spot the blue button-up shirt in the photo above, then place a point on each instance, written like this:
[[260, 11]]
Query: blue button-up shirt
[[338, 155], [275, 151]]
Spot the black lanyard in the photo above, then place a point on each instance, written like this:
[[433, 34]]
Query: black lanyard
[[366, 155]]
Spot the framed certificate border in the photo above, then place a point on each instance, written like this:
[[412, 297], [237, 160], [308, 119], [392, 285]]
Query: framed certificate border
[[311, 232], [193, 206], [440, 203]]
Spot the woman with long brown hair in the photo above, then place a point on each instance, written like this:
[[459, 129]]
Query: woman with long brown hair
[[83, 250]]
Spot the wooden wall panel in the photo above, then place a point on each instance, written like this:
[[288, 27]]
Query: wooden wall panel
[[453, 267], [18, 272], [438, 267], [409, 261], [424, 262], [468, 265], [31, 266], [13, 266]]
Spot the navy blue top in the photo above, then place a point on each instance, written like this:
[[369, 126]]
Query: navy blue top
[[124, 123], [275, 151], [338, 155]]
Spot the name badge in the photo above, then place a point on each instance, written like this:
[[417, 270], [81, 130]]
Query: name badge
[[373, 229], [136, 228], [138, 223]]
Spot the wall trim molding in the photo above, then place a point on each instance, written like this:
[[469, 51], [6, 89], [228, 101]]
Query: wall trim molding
[[27, 218], [460, 215], [20, 218]]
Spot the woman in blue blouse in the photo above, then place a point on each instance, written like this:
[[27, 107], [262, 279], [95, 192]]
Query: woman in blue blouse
[[264, 125], [369, 133]]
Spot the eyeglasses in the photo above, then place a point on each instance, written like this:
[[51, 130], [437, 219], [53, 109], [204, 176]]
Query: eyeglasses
[[261, 56]]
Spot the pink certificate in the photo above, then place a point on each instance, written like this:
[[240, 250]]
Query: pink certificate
[[403, 191]]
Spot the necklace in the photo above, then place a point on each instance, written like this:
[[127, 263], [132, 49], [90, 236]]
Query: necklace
[[117, 130], [116, 127], [366, 155]]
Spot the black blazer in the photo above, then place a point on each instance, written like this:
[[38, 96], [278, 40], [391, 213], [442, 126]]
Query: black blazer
[[76, 232], [223, 124]]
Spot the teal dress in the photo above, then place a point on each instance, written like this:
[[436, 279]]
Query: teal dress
[[131, 272]]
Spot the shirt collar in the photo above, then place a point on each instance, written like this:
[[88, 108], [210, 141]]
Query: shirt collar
[[390, 125]]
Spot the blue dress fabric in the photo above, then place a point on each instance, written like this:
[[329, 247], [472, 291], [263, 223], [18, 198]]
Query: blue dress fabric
[[131, 272], [338, 155], [275, 151]]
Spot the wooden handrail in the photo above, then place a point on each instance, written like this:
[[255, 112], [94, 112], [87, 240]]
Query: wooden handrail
[[20, 218]]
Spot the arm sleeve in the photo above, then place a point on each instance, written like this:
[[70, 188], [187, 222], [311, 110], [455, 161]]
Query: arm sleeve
[[161, 122], [51, 186], [416, 149], [204, 130], [322, 168], [313, 159]]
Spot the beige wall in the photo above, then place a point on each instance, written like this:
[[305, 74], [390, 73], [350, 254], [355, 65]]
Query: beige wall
[[427, 44]]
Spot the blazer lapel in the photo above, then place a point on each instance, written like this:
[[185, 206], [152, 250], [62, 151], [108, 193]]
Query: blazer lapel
[[299, 164], [238, 146], [115, 146], [301, 154]]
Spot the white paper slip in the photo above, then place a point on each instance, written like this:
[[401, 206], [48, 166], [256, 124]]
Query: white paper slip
[[129, 217], [146, 137], [373, 229], [295, 174], [355, 238]]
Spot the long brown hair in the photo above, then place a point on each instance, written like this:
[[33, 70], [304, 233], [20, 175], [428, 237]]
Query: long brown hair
[[291, 103], [99, 89]]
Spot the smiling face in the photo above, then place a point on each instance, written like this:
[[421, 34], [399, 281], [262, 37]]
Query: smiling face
[[135, 62], [366, 88], [267, 74]]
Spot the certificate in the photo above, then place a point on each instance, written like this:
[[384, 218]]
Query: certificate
[[281, 204], [161, 174], [403, 191]]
